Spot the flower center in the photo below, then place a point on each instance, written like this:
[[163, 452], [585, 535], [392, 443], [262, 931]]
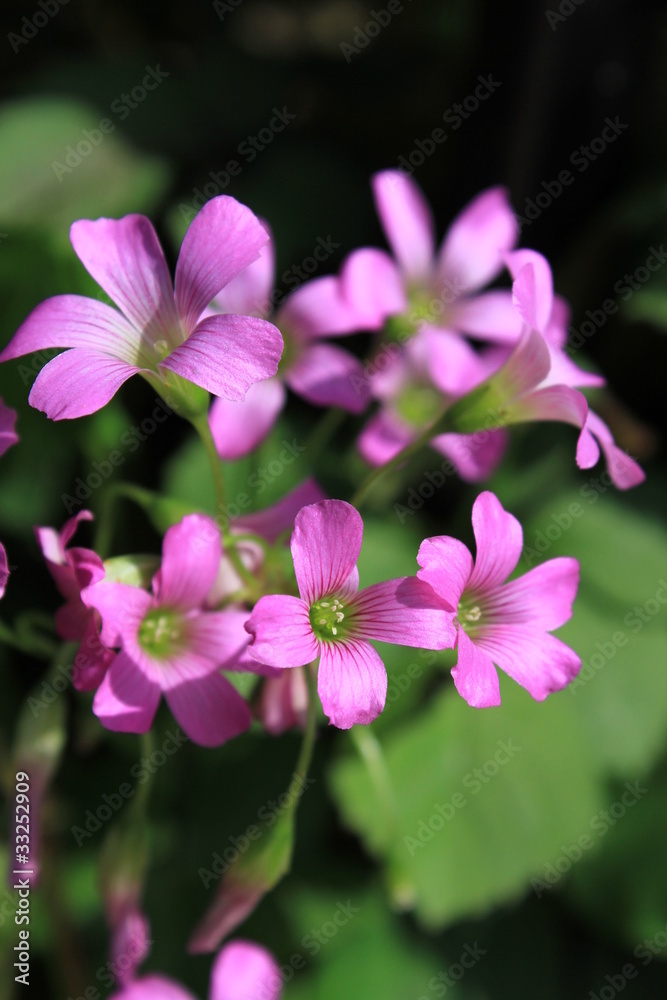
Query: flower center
[[328, 621], [161, 633], [469, 613]]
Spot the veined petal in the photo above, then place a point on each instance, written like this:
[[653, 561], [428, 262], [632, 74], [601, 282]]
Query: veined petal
[[281, 632], [318, 309], [326, 543], [8, 435], [406, 612], [223, 238], [191, 554], [227, 354], [491, 316], [533, 288], [240, 426], [209, 709], [218, 636], [537, 661], [474, 675], [541, 598], [326, 375], [373, 287], [271, 522], [122, 608], [351, 683], [407, 221], [474, 247], [499, 541], [125, 258], [152, 988], [249, 293], [476, 456], [126, 701], [243, 970], [446, 564], [78, 382]]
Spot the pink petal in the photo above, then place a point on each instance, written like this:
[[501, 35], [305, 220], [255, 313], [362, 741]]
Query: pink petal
[[281, 632], [228, 354], [499, 541], [329, 376], [77, 383], [533, 288], [555, 402], [8, 435], [223, 238], [557, 328], [245, 971], [446, 564], [407, 221], [624, 471], [125, 258], [542, 597], [476, 456], [537, 661], [238, 427], [492, 316], [4, 569], [126, 700], [92, 659], [474, 675], [383, 437], [273, 521], [351, 683], [70, 526], [249, 293], [130, 944], [527, 366], [373, 287], [218, 636], [317, 309], [122, 608], [326, 543], [406, 612], [563, 371], [474, 247], [209, 709], [283, 702], [452, 364], [152, 988], [191, 554]]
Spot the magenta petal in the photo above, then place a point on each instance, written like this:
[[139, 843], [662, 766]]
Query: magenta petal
[[446, 564], [554, 402], [249, 293], [383, 437], [537, 661], [152, 988], [527, 366], [542, 597], [125, 258], [373, 287], [351, 683], [240, 426], [191, 554], [243, 970], [326, 543], [317, 309], [92, 659], [223, 238], [474, 675], [499, 541], [491, 316], [281, 631], [8, 435], [218, 636], [209, 709], [271, 522], [228, 354], [452, 364], [407, 221], [4, 569], [533, 288], [474, 247], [122, 608], [126, 701], [624, 471], [329, 376], [406, 612], [476, 456], [77, 383]]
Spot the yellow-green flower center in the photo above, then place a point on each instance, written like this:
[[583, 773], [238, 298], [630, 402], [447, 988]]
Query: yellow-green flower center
[[330, 619], [161, 633], [469, 613]]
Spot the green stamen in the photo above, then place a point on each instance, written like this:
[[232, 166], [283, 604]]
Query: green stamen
[[330, 619], [161, 633]]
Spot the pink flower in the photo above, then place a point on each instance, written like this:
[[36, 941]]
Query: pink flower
[[283, 702], [74, 569], [170, 645], [242, 970], [4, 570], [333, 621], [8, 437], [158, 330], [497, 622]]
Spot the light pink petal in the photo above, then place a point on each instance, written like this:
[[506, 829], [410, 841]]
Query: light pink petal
[[499, 541], [407, 221], [542, 597], [452, 364], [191, 553], [122, 608], [555, 402], [249, 293], [125, 258], [70, 526], [624, 471], [130, 944], [329, 376], [373, 287], [527, 366], [446, 564], [274, 520], [126, 701], [557, 328], [533, 288], [153, 988], [351, 683], [209, 709], [4, 569], [243, 970], [318, 309], [283, 702], [240, 426], [474, 675], [228, 354], [383, 437], [406, 612], [476, 456], [8, 435], [78, 382], [537, 661], [281, 632], [491, 316], [563, 371], [474, 247], [223, 239], [326, 543], [218, 636]]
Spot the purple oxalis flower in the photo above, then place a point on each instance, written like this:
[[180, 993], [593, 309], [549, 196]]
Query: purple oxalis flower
[[158, 330], [8, 437], [497, 622], [333, 620]]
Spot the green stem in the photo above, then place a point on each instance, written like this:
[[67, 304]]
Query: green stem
[[116, 491], [324, 430], [370, 751], [30, 643], [306, 752]]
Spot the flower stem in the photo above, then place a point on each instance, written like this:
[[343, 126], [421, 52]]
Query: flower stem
[[103, 534], [306, 752], [324, 430], [370, 751]]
